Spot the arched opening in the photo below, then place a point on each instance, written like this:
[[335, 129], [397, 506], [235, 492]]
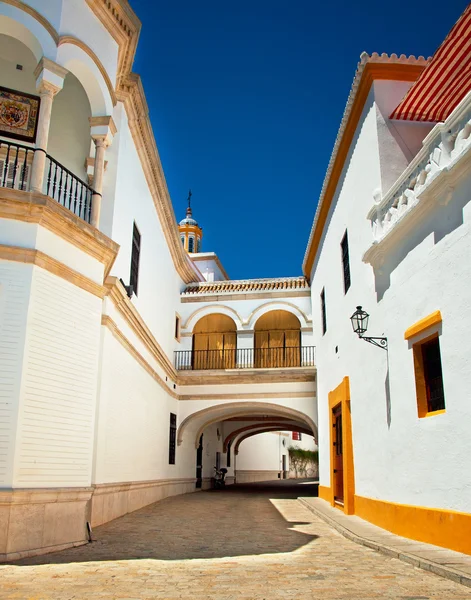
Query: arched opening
[[69, 133], [214, 343], [216, 432], [277, 340]]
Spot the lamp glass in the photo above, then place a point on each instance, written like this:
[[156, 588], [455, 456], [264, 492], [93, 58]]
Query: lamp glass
[[359, 321]]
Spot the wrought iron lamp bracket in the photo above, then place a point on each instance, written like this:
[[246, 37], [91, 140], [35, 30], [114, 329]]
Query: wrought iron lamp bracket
[[381, 342]]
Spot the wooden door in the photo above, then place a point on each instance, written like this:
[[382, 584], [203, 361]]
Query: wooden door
[[199, 464], [338, 453]]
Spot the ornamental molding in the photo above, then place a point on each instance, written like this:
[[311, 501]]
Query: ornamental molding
[[128, 311], [69, 39], [370, 68], [247, 285], [36, 15], [427, 183], [124, 26], [38, 258], [132, 95], [32, 207]]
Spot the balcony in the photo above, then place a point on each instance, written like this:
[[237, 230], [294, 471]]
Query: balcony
[[431, 175], [60, 184], [245, 358]]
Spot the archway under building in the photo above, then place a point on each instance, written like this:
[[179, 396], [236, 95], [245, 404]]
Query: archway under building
[[224, 426]]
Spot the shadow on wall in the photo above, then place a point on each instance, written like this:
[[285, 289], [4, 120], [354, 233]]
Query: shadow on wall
[[238, 521], [440, 222]]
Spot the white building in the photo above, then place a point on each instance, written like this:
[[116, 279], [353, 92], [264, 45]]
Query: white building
[[131, 365], [392, 234], [97, 293]]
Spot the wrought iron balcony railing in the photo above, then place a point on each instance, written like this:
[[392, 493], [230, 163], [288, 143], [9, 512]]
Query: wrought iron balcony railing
[[67, 189], [245, 358], [62, 185], [15, 165]]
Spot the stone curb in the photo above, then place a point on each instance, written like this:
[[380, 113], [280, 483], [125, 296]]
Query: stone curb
[[416, 561]]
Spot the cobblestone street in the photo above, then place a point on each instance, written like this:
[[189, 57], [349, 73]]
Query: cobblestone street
[[255, 542]]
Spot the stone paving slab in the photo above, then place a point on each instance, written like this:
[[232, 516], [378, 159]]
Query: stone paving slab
[[441, 561], [251, 542]]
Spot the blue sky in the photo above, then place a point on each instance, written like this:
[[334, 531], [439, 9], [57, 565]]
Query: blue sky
[[246, 99]]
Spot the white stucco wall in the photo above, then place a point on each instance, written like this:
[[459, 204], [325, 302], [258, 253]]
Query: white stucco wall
[[125, 201], [397, 456], [133, 420], [263, 452], [15, 290], [69, 134]]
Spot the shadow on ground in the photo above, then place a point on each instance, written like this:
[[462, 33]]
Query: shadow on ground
[[240, 520]]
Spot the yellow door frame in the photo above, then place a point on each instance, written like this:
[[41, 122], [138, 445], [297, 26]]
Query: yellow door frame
[[341, 395]]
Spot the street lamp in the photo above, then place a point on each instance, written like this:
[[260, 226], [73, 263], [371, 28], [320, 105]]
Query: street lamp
[[359, 321]]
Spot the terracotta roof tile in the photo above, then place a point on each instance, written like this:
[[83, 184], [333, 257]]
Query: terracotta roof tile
[[246, 285]]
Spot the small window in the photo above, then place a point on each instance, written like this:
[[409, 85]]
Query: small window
[[191, 244], [296, 436], [324, 316], [198, 245], [345, 263], [135, 254], [177, 327], [183, 240], [429, 377], [172, 439]]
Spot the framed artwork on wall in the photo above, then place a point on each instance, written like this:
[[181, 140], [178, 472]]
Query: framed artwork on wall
[[18, 115]]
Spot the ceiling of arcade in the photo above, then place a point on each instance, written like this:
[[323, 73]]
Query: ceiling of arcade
[[243, 418]]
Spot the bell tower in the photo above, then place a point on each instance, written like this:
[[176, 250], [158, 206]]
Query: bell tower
[[190, 232]]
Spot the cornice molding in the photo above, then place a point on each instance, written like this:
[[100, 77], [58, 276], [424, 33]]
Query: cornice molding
[[128, 311], [212, 257], [249, 376], [36, 15], [369, 69], [69, 39], [32, 207], [108, 322], [124, 26], [42, 260], [244, 296], [132, 95], [247, 396]]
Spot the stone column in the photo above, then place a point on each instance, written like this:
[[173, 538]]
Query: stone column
[[245, 348], [49, 81], [102, 130]]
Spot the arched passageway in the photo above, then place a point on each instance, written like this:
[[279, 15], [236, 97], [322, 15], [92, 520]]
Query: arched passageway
[[277, 340], [214, 343]]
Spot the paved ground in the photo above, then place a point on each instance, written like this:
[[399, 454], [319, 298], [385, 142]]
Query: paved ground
[[255, 542]]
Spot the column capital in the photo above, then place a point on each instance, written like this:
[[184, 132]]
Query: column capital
[[102, 129], [49, 77]]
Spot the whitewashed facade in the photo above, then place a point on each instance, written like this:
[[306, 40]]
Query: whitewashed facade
[[401, 192], [131, 364], [97, 418]]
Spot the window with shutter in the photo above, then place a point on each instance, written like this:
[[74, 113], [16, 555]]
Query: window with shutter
[[135, 255], [172, 439], [323, 312], [345, 263]]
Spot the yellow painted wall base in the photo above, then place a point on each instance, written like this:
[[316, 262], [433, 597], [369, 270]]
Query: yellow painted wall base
[[325, 493], [445, 528]]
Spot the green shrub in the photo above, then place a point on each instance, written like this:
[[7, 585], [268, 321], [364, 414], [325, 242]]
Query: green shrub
[[303, 461]]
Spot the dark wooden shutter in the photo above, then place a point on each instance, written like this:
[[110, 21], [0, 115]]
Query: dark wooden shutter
[[135, 253]]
